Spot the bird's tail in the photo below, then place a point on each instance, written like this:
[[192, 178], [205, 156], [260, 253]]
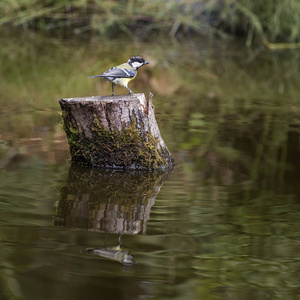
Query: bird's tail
[[95, 76]]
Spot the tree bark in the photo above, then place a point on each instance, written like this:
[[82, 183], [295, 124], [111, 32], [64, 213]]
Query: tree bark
[[114, 132]]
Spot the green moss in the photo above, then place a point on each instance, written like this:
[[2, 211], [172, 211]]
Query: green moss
[[127, 147], [62, 123], [71, 132], [111, 148]]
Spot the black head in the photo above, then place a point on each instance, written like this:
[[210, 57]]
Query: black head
[[137, 61]]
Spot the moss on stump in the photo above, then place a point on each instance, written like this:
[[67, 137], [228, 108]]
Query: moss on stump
[[114, 132]]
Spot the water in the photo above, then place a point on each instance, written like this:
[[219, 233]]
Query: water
[[222, 225]]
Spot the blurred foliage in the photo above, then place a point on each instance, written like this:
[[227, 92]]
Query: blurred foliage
[[273, 21]]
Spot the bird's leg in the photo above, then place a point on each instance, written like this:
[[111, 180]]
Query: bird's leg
[[130, 91], [112, 89]]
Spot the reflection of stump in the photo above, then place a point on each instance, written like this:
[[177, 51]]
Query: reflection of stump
[[112, 202], [114, 132]]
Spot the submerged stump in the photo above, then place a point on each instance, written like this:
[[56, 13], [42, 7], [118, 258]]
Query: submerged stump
[[114, 132]]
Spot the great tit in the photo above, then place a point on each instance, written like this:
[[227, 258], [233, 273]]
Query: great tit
[[124, 73]]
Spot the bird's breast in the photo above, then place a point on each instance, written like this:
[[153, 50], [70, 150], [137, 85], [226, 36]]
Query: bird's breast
[[122, 81]]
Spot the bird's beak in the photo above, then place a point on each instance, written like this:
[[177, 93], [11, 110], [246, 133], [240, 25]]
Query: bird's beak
[[146, 63]]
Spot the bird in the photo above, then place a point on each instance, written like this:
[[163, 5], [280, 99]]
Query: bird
[[124, 73]]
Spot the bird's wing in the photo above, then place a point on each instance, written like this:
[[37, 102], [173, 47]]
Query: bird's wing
[[119, 72]]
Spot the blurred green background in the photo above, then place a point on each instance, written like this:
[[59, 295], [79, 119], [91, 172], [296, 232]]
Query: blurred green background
[[276, 20], [225, 79]]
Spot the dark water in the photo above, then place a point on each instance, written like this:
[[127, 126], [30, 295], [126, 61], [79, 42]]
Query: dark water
[[224, 224]]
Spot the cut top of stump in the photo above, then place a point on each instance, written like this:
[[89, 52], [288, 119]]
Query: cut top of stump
[[100, 128], [130, 97]]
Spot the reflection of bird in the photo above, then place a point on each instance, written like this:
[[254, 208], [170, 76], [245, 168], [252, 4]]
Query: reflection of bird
[[124, 73], [114, 253]]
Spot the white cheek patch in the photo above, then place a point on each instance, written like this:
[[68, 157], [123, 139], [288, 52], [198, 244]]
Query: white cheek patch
[[136, 65]]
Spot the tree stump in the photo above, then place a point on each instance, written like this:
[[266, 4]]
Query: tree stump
[[114, 132]]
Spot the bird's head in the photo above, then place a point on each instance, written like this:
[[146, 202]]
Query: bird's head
[[137, 61]]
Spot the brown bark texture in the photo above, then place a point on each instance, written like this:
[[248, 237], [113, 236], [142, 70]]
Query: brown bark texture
[[117, 132]]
